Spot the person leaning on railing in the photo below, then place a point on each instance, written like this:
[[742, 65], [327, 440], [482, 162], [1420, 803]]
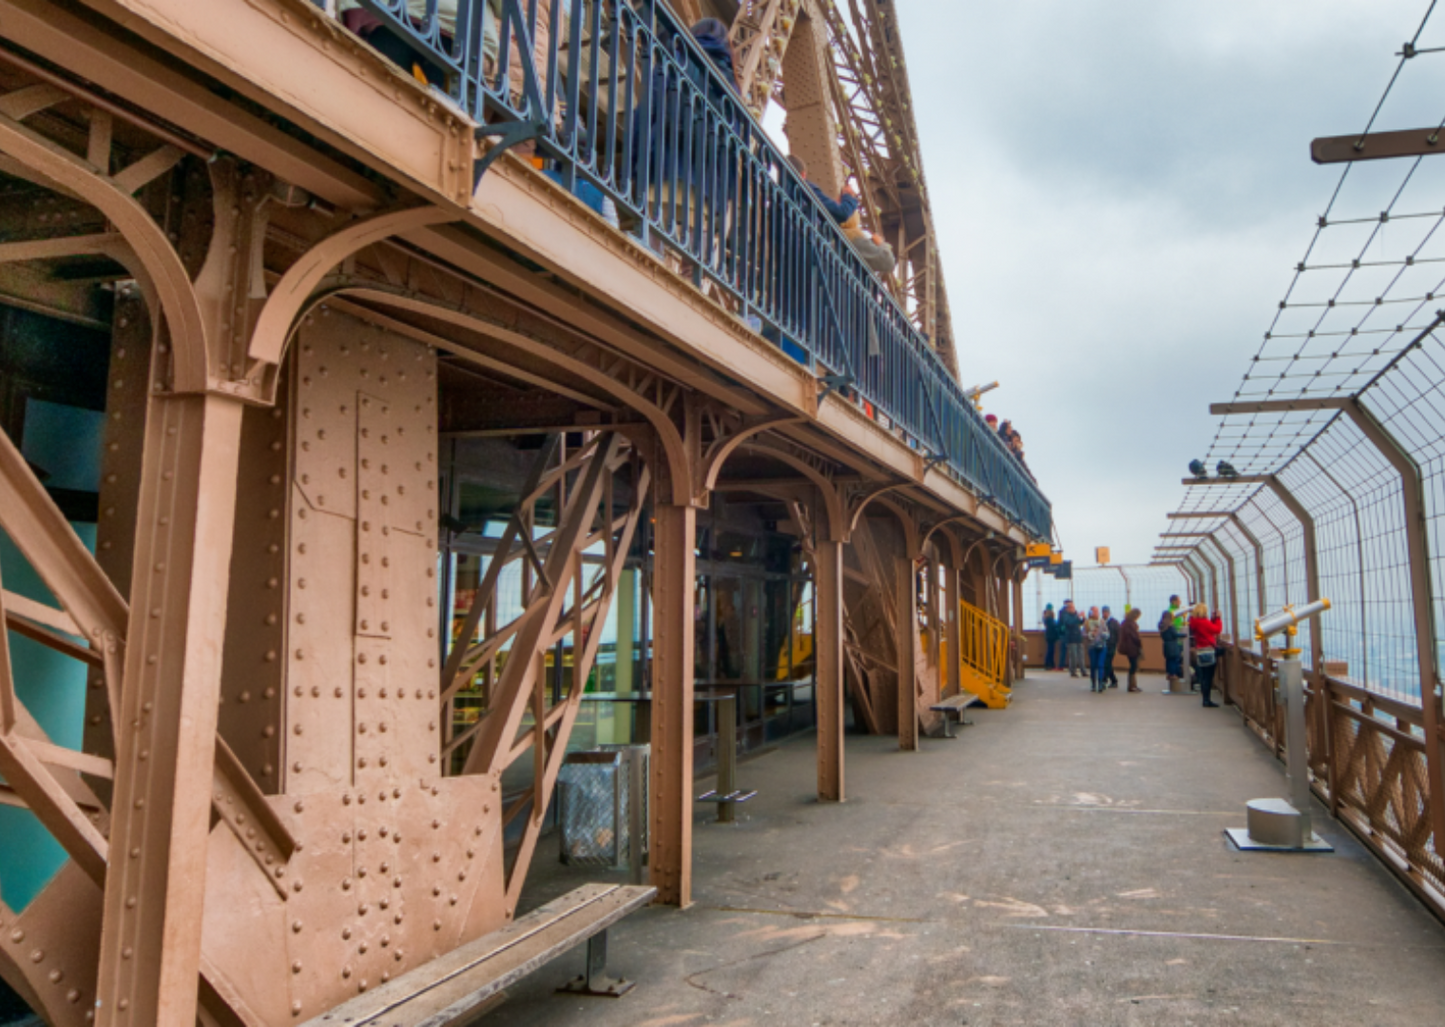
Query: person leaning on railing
[[392, 46]]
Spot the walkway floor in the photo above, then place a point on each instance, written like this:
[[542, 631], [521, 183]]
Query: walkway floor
[[1062, 862]]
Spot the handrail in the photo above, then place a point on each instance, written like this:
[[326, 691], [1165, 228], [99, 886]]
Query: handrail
[[983, 643], [646, 118]]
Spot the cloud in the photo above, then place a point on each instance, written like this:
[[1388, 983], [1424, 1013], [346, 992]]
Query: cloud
[[1121, 192]]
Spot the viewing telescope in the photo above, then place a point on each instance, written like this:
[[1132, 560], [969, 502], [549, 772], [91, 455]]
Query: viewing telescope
[[1283, 825], [1287, 618]]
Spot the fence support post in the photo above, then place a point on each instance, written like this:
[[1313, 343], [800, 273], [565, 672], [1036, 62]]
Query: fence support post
[[1231, 678], [1312, 592], [1412, 493], [674, 579], [828, 640]]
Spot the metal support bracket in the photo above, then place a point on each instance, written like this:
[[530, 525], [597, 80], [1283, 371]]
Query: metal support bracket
[[594, 981], [508, 135], [834, 383]]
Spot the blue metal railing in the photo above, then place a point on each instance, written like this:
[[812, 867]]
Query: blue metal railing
[[622, 99]]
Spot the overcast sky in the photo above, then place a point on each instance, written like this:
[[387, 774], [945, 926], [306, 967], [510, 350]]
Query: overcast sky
[[1121, 189]]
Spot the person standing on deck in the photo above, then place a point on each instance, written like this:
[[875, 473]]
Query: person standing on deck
[[1204, 634], [1071, 626], [1171, 634], [1096, 632], [1112, 623], [1053, 639], [1131, 645]]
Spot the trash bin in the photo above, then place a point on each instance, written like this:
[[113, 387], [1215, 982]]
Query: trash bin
[[602, 802]]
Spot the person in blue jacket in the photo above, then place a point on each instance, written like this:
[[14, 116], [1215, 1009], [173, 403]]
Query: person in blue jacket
[[839, 210]]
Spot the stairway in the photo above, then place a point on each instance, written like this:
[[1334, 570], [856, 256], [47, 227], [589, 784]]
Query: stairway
[[983, 657]]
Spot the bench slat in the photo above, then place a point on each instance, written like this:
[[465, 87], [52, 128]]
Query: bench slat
[[955, 702], [450, 987]]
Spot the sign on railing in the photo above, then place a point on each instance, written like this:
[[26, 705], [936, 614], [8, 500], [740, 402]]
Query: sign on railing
[[623, 104]]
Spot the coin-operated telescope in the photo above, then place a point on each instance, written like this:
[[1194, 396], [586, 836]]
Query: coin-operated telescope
[[1281, 825]]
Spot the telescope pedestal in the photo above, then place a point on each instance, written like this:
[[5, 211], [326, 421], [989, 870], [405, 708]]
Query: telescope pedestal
[[1279, 825], [1276, 826]]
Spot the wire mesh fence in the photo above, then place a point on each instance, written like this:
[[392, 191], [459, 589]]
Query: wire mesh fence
[[1341, 411], [1147, 586]]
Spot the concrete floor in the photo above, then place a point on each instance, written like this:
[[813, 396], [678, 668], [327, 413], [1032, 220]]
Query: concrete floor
[[1062, 862]]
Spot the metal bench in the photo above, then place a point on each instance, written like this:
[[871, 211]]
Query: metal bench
[[451, 988], [957, 706]]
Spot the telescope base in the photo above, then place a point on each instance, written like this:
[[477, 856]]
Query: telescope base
[[1275, 826]]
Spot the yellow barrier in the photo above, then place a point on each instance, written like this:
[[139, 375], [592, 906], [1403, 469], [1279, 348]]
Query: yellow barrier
[[983, 657]]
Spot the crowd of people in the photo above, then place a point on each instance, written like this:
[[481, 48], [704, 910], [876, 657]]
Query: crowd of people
[[1010, 436], [1088, 644]]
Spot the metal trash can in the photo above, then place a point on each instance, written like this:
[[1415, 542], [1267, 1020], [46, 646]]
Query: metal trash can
[[603, 807]]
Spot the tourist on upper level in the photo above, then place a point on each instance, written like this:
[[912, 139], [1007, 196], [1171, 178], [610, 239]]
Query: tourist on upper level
[[841, 209], [1112, 623], [1131, 645], [871, 247], [1171, 633], [392, 46], [712, 35], [1053, 640], [1071, 624], [1204, 634], [1096, 632]]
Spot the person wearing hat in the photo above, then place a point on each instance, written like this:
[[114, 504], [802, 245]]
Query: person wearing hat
[[992, 421]]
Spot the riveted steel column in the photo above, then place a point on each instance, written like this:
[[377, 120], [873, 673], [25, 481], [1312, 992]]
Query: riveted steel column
[[952, 599], [150, 949], [1412, 494], [674, 579], [828, 643], [1018, 620], [905, 641]]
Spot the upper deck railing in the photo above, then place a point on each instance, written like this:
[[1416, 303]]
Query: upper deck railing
[[622, 100]]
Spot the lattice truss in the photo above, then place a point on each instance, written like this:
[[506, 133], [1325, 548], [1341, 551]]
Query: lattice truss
[[871, 111]]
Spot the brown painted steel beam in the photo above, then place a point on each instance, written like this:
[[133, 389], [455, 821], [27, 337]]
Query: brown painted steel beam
[[1280, 406], [150, 952], [1417, 542], [674, 580], [1410, 142], [828, 646], [905, 642]]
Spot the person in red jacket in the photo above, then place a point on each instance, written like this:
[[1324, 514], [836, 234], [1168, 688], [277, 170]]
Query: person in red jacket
[[1204, 634]]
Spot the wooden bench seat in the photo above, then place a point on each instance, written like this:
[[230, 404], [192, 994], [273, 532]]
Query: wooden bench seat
[[956, 706], [451, 988]]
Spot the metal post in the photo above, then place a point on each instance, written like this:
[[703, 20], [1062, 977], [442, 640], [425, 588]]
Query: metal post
[[955, 635], [150, 944], [906, 628], [828, 645], [1018, 621], [1231, 678], [1317, 642], [1412, 495], [670, 812], [1260, 604], [636, 811], [727, 757], [1128, 587], [1364, 675]]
